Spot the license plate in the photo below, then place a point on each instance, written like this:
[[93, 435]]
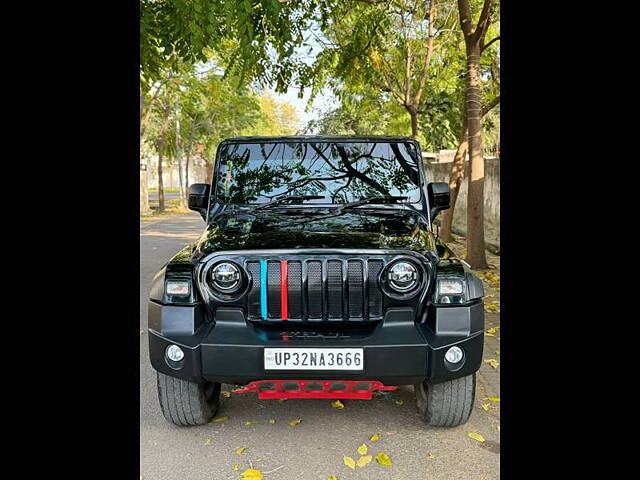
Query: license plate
[[313, 358]]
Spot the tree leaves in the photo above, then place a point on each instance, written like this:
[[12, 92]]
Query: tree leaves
[[364, 461], [492, 399], [240, 450], [476, 436], [384, 460], [349, 462], [374, 438], [362, 449]]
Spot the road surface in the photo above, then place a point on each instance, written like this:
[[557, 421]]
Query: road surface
[[313, 449]]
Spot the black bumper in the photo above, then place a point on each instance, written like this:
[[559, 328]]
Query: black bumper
[[397, 350]]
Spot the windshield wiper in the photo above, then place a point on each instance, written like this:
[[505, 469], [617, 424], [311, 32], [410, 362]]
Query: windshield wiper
[[369, 200], [288, 198]]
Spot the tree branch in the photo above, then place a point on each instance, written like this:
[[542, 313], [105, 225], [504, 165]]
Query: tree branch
[[487, 45]]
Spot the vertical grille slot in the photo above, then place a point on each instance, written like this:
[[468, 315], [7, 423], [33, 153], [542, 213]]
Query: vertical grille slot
[[273, 290], [314, 289], [356, 288], [294, 279], [373, 289], [334, 288], [254, 294]]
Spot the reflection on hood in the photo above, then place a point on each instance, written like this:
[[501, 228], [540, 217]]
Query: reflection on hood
[[295, 228]]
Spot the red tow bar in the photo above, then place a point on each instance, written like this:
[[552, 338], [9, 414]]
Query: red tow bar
[[348, 389]]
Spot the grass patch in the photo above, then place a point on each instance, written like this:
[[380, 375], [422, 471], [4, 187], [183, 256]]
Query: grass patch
[[172, 208], [166, 190]]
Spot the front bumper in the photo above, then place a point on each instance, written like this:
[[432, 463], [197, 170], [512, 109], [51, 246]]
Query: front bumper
[[397, 350]]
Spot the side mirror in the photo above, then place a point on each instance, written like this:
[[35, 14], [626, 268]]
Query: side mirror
[[199, 198], [439, 197]]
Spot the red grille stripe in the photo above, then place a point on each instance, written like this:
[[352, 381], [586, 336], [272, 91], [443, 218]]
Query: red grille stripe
[[284, 289]]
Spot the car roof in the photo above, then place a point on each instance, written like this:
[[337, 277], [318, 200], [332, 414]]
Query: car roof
[[319, 138]]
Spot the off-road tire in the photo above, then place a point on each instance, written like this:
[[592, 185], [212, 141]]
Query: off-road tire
[[186, 403], [446, 404]]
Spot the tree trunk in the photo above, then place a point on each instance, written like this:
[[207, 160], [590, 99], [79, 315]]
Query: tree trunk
[[476, 255], [413, 113], [209, 173], [186, 174], [455, 181], [160, 181]]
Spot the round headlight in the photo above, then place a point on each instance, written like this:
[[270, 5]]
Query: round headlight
[[226, 277], [403, 276]]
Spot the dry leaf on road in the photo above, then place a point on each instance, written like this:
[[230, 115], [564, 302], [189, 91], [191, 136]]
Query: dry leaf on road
[[383, 459], [476, 436], [220, 419], [337, 404], [207, 441], [272, 421], [250, 422], [349, 462], [492, 399], [485, 406], [364, 461], [240, 450], [252, 474], [375, 437], [295, 422], [226, 393], [493, 362]]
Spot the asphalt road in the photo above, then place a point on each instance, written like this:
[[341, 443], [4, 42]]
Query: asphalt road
[[315, 447]]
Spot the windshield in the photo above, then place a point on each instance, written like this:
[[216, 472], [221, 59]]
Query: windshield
[[335, 171]]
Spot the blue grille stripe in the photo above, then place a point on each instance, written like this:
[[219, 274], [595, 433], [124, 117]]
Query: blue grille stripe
[[263, 288]]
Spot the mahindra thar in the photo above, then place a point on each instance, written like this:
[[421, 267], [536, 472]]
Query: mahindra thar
[[319, 274]]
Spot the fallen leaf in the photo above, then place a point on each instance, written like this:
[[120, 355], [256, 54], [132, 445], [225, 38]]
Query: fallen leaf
[[485, 406], [220, 419], [430, 456], [207, 441], [252, 474], [226, 393], [236, 467], [364, 461], [375, 437], [399, 402], [493, 331], [492, 399], [337, 404], [476, 436], [250, 422], [497, 352], [362, 449], [493, 362], [332, 477], [295, 422], [383, 459], [272, 421], [349, 462], [240, 450]]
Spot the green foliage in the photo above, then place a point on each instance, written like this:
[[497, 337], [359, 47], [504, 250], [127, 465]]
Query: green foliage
[[260, 36]]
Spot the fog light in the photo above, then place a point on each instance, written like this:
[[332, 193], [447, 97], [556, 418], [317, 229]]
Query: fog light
[[453, 355], [175, 353]]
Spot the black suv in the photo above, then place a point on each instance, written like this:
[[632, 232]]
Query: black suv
[[318, 275]]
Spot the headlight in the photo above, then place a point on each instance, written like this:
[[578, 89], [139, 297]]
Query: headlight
[[226, 277], [403, 276], [450, 290]]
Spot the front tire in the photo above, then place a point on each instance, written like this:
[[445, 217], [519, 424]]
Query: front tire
[[446, 404], [186, 403]]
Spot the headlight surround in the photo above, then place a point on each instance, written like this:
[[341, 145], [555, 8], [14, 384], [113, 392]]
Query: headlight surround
[[450, 290], [226, 277], [403, 277]]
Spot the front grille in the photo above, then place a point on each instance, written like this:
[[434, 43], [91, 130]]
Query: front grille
[[317, 290]]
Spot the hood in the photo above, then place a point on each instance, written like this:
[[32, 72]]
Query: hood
[[322, 228]]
